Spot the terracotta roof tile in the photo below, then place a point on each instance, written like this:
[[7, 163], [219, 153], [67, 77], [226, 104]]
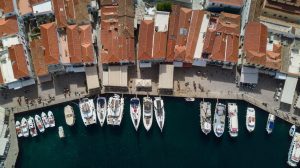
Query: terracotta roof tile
[[85, 33], [7, 6], [8, 26], [17, 56], [117, 35], [238, 3], [273, 59], [38, 59], [194, 31], [183, 26], [222, 41], [50, 43], [70, 9], [172, 34], [60, 13], [145, 40], [74, 44], [291, 6], [87, 53], [160, 45], [255, 43], [1, 78]]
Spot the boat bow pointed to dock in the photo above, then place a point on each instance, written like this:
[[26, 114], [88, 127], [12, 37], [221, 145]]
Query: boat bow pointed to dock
[[101, 109], [88, 111], [135, 112]]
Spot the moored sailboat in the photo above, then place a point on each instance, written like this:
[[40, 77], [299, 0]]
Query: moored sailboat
[[135, 112], [205, 117], [147, 112], [101, 109], [219, 119], [159, 112]]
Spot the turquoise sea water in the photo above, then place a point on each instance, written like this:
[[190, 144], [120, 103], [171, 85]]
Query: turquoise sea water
[[182, 144]]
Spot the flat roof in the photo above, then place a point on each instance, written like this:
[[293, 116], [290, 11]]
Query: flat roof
[[162, 21], [9, 41], [7, 69], [92, 78], [116, 76], [249, 75], [289, 90], [3, 143], [41, 8], [166, 75]]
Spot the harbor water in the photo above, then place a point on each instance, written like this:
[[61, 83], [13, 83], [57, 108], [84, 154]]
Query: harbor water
[[182, 144]]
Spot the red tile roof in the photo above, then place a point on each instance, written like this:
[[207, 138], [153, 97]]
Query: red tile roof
[[86, 43], [19, 64], [8, 26], [70, 9], [255, 43], [286, 6], [145, 44], [222, 41], [50, 43], [184, 24], [1, 78], [273, 59], [117, 35], [172, 34], [7, 6], [194, 31], [74, 44], [38, 58], [87, 53], [238, 3], [60, 13], [160, 45]]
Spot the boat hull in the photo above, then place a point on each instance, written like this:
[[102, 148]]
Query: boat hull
[[115, 110], [147, 116], [69, 115], [101, 110], [219, 119], [159, 112], [250, 119], [24, 127], [39, 123], [51, 119], [135, 112], [88, 111], [205, 117]]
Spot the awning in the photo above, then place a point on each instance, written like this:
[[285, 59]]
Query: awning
[[143, 83], [145, 64], [178, 64], [115, 76], [166, 75], [289, 90], [199, 62], [249, 75], [280, 76], [92, 78]]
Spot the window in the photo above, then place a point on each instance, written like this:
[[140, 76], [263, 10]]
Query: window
[[213, 4]]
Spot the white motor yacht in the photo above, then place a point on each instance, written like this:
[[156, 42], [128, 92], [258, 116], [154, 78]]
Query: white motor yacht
[[101, 109], [45, 120], [159, 112], [270, 123], [135, 112], [205, 117], [147, 112], [233, 119], [39, 123], [18, 129], [61, 132], [219, 119], [115, 110], [69, 115], [24, 127], [250, 119], [32, 127], [88, 111], [294, 151], [51, 119]]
